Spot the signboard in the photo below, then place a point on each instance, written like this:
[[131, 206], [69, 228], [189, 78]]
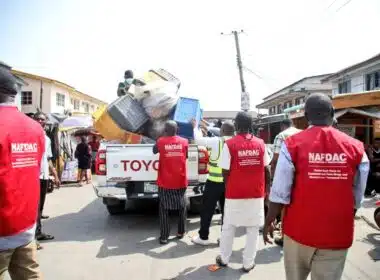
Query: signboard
[[349, 130], [70, 172], [296, 114], [245, 102]]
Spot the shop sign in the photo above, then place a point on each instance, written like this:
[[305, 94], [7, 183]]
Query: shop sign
[[297, 114]]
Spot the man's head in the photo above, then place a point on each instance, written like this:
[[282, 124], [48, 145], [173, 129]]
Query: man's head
[[243, 122], [376, 143], [8, 86], [83, 139], [40, 118], [94, 138], [319, 110], [285, 124], [171, 128], [227, 129]]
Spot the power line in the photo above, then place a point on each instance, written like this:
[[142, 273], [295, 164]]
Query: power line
[[345, 4], [332, 3]]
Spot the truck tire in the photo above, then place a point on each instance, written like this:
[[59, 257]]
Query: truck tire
[[116, 209], [196, 204]]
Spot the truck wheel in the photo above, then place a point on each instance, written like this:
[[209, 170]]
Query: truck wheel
[[196, 204]]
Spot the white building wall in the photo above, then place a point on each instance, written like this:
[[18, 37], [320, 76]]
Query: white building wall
[[35, 87], [55, 108]]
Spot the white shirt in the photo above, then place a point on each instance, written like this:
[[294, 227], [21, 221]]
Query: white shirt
[[243, 212], [47, 155]]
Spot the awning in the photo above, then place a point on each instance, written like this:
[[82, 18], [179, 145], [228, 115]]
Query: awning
[[370, 112], [270, 119]]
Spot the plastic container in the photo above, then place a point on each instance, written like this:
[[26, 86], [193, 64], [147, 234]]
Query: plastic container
[[128, 113], [106, 126], [187, 109], [132, 138]]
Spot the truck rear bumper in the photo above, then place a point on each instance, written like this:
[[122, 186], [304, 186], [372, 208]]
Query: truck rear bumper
[[110, 191]]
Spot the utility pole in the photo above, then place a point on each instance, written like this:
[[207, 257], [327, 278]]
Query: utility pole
[[245, 104]]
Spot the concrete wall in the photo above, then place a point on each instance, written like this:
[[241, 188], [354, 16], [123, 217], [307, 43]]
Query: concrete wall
[[35, 86]]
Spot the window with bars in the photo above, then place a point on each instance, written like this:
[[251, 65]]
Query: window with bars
[[287, 104], [75, 103], [279, 108], [344, 87], [299, 100], [372, 81], [60, 99], [86, 107], [26, 98]]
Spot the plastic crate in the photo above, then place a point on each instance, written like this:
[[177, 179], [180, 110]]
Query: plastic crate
[[128, 113], [186, 110], [186, 130]]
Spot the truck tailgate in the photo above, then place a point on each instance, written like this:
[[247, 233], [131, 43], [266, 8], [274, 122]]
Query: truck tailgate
[[138, 163]]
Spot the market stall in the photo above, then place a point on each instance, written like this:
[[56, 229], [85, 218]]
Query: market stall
[[267, 127]]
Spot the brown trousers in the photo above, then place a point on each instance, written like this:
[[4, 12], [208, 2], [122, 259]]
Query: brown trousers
[[21, 263], [301, 260]]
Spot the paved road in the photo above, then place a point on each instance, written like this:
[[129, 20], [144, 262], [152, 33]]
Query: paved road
[[90, 244]]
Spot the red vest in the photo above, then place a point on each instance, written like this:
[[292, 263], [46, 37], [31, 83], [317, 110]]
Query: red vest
[[321, 212], [22, 144], [172, 173], [247, 176]]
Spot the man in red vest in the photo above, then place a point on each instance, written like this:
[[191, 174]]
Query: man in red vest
[[172, 179], [22, 143], [245, 163], [320, 178]]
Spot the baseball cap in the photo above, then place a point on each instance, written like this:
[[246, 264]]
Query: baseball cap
[[8, 82]]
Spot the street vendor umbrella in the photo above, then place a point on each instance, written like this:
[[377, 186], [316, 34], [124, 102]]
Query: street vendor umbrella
[[76, 122]]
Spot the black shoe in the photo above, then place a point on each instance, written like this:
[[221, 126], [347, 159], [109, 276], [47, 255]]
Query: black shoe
[[44, 237], [219, 261], [279, 241], [180, 235], [44, 217], [163, 241], [248, 269]]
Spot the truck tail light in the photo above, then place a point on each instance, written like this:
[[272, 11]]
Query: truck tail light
[[100, 163], [203, 159], [378, 203]]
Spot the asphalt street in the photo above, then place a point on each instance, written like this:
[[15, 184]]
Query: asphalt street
[[90, 244]]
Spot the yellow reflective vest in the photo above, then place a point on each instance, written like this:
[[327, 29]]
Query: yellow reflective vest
[[214, 171]]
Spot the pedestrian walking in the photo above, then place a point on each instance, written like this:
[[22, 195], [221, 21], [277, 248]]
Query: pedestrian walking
[[22, 143], [373, 185], [214, 188], [287, 129], [320, 178], [47, 167], [172, 179], [84, 156], [245, 163]]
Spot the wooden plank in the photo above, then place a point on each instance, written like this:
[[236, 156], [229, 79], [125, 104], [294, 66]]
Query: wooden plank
[[371, 98]]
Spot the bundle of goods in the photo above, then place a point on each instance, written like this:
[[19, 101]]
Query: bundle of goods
[[139, 115]]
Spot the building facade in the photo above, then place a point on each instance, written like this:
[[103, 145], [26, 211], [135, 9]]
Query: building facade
[[52, 96], [361, 77], [294, 94]]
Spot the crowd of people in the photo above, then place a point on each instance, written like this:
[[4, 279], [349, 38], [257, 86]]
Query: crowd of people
[[317, 166]]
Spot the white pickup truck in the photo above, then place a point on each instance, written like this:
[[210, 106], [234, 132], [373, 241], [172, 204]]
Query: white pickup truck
[[129, 172]]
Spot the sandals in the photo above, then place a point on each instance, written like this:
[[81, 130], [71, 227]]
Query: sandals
[[219, 261]]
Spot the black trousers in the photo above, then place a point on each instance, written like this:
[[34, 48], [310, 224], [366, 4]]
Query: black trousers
[[44, 184], [165, 221], [213, 193]]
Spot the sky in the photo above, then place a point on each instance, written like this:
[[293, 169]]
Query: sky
[[90, 43]]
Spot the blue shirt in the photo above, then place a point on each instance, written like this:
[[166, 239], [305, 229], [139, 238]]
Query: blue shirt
[[284, 175]]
